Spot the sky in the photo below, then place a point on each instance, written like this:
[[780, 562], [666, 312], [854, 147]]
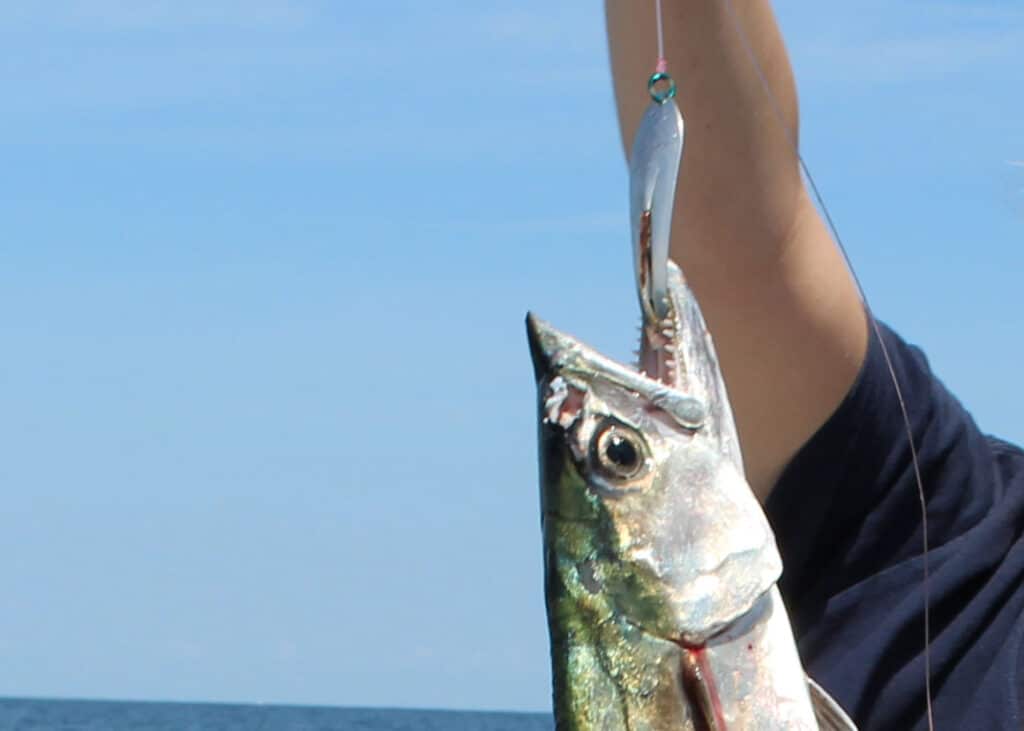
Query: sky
[[266, 407]]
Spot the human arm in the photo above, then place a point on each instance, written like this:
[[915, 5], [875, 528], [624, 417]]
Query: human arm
[[787, 320]]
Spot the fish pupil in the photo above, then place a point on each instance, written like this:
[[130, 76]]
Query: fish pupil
[[621, 452]]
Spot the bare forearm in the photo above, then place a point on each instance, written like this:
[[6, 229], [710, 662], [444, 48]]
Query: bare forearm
[[786, 318]]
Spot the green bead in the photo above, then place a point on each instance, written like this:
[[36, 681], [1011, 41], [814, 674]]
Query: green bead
[[661, 96]]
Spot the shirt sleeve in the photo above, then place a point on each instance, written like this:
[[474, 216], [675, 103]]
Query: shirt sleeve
[[847, 518]]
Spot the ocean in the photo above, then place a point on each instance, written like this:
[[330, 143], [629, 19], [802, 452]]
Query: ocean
[[57, 715]]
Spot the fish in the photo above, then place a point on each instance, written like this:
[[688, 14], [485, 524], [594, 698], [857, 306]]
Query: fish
[[660, 567]]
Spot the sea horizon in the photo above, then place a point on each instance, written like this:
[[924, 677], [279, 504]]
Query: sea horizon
[[86, 714], [276, 704]]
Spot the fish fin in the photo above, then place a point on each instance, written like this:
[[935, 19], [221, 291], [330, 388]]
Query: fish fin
[[828, 713]]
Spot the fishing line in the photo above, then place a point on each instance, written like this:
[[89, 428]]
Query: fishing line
[[662, 65], [791, 137]]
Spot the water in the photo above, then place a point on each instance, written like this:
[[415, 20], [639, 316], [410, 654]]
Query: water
[[45, 715]]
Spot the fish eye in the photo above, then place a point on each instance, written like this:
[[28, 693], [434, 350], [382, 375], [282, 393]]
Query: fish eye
[[618, 452]]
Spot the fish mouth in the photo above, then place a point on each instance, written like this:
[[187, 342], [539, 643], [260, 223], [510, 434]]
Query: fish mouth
[[556, 353], [655, 358], [659, 352], [741, 625]]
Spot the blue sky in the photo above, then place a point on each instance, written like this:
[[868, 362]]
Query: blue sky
[[268, 413]]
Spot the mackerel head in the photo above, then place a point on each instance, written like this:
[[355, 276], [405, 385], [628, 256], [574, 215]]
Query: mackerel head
[[660, 566]]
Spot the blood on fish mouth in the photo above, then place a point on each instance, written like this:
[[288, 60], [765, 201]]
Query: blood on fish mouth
[[699, 688], [698, 682]]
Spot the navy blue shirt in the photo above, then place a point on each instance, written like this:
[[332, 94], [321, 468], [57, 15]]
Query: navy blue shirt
[[847, 519]]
